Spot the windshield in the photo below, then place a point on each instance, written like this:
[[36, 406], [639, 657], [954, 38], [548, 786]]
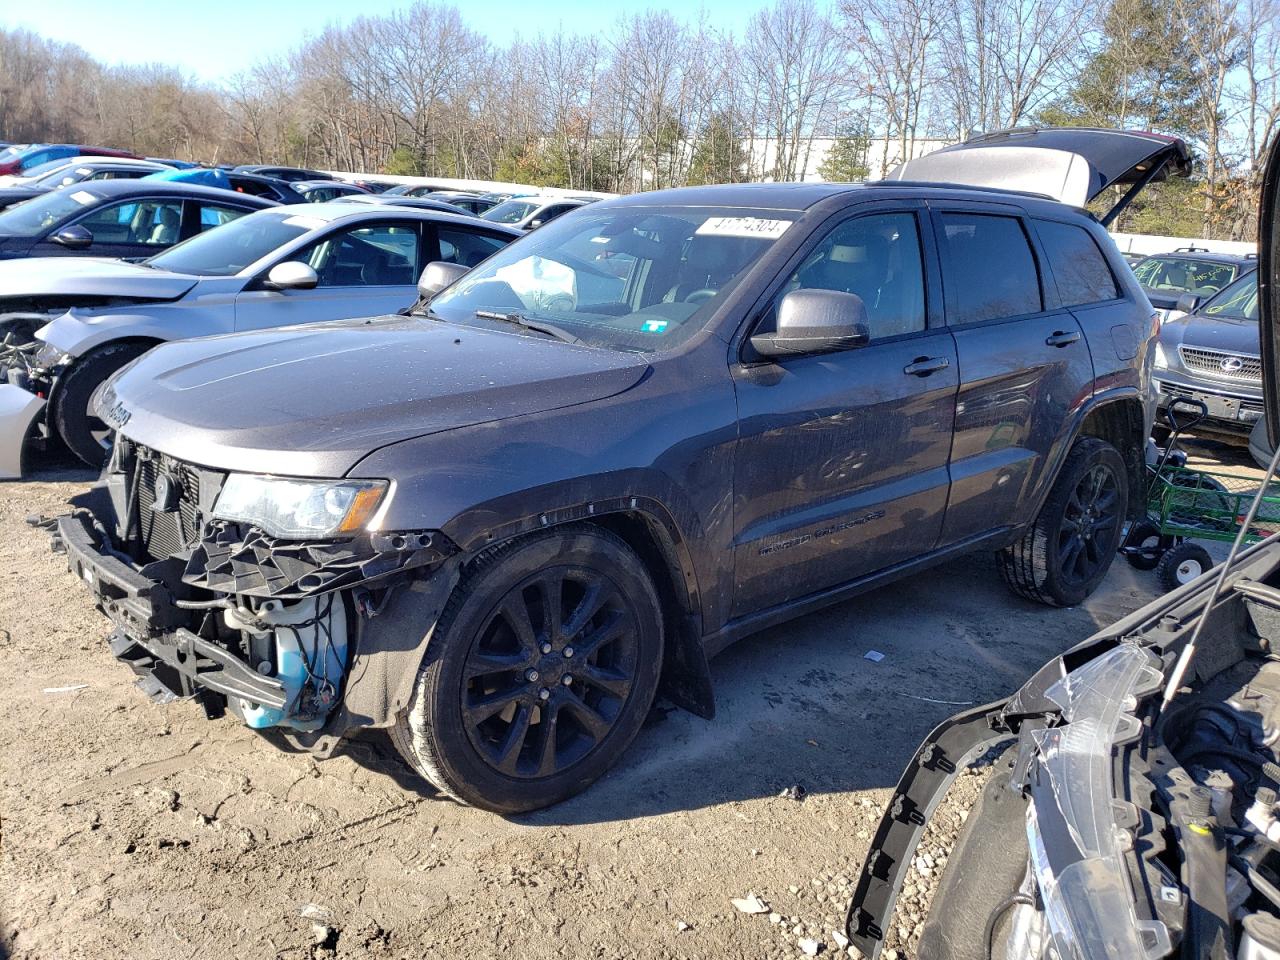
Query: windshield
[[8, 153], [1238, 302], [510, 211], [228, 249], [33, 218], [630, 278], [1184, 274]]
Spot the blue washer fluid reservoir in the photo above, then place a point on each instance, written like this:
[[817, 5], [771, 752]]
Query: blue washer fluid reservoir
[[306, 641]]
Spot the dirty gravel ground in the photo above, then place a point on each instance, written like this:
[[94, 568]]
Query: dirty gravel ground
[[136, 830]]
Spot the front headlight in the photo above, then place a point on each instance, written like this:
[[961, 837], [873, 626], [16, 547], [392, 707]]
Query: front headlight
[[302, 509], [1162, 359]]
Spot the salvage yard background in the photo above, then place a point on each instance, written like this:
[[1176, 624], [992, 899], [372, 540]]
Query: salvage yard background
[[143, 830]]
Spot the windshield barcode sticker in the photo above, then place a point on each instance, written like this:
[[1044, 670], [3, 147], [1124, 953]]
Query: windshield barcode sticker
[[743, 227], [83, 197], [310, 223]]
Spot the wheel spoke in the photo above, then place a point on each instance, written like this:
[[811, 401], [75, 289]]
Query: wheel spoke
[[602, 635], [482, 663], [551, 587], [1071, 552], [592, 723], [592, 600], [548, 724], [613, 682], [508, 754], [481, 708], [516, 615]]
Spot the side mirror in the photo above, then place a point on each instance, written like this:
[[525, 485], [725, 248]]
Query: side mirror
[[74, 237], [292, 275], [815, 321], [437, 276], [1188, 302]]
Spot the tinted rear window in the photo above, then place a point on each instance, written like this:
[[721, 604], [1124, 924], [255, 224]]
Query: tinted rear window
[[1079, 267], [988, 269]]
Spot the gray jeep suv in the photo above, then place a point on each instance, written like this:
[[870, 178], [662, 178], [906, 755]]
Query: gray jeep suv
[[500, 525]]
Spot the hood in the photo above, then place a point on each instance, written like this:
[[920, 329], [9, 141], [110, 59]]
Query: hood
[[1212, 333], [315, 400], [17, 194], [1069, 164], [68, 277]]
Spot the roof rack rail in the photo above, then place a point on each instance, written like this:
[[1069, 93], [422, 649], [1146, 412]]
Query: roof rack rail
[[932, 184]]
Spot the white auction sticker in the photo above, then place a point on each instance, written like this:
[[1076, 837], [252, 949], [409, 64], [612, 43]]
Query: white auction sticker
[[309, 222], [743, 227], [83, 197]]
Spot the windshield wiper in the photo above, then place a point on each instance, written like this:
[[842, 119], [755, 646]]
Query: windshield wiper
[[537, 326]]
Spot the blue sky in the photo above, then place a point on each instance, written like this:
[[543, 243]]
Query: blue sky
[[215, 40]]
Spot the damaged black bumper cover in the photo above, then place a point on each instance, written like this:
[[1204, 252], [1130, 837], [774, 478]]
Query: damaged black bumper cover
[[150, 635]]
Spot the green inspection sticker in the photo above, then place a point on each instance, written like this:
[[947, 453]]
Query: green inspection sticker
[[654, 326]]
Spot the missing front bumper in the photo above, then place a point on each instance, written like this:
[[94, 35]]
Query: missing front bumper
[[152, 634]]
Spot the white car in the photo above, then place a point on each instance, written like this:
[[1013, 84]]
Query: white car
[[529, 213], [67, 324]]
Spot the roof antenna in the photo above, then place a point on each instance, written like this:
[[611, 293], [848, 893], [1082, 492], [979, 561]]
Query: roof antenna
[[1189, 651]]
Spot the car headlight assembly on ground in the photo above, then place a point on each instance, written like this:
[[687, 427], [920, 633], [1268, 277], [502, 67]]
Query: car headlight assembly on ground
[[302, 509], [1071, 821]]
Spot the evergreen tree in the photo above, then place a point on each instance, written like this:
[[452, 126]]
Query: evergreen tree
[[846, 161], [718, 156]]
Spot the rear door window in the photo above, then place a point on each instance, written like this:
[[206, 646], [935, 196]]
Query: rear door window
[[988, 269], [467, 247], [215, 215], [1079, 268]]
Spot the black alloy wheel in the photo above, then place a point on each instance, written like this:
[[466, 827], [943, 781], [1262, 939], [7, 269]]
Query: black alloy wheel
[[1093, 514], [538, 673], [549, 674]]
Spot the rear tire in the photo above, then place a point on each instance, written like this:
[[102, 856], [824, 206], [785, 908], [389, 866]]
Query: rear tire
[[493, 722], [1182, 564], [81, 431], [1065, 554]]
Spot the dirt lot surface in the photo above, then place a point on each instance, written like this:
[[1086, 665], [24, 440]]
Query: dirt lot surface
[[136, 830]]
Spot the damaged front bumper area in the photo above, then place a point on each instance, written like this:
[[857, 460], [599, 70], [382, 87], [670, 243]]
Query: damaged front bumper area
[[301, 635]]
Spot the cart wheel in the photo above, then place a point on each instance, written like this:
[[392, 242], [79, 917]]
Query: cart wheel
[[1145, 545], [1182, 564]]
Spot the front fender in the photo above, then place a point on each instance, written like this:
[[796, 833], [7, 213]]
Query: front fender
[[78, 332], [18, 411]]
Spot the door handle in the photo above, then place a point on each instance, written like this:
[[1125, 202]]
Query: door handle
[[923, 366], [1062, 339]]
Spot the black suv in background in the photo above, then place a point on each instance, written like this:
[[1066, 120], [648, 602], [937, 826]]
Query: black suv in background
[[500, 524], [1178, 282]]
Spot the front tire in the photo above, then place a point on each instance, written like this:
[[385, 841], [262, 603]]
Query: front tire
[[84, 434], [1070, 547], [494, 722]]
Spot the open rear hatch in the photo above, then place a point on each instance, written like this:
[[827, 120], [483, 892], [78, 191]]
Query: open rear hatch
[[1268, 285], [1069, 164]]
